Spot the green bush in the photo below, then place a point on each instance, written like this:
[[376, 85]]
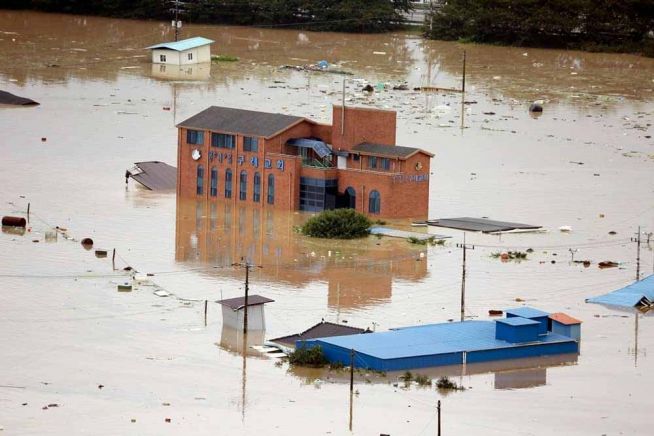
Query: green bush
[[337, 224], [308, 356], [444, 383]]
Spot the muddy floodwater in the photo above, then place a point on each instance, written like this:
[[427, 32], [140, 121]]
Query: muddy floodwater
[[78, 357]]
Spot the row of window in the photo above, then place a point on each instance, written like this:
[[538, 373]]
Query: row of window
[[222, 140], [242, 185], [162, 58], [382, 163]]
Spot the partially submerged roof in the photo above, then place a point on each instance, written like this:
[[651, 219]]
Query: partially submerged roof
[[154, 175], [238, 303], [564, 318], [526, 312], [388, 150], [321, 330], [480, 224], [240, 121], [395, 233], [184, 44], [638, 294], [9, 98]]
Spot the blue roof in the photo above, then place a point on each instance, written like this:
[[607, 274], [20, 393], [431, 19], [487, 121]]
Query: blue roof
[[640, 293], [431, 339], [184, 44], [518, 321], [526, 312], [319, 147]]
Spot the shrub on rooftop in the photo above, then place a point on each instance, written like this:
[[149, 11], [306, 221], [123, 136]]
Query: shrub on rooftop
[[337, 224]]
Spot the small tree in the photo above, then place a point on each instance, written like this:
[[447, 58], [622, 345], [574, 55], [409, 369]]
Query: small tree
[[308, 356], [337, 224]]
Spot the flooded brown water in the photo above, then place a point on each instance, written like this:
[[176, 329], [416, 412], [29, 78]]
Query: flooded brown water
[[65, 331]]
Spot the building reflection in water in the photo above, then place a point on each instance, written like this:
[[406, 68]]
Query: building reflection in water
[[358, 273], [182, 72]]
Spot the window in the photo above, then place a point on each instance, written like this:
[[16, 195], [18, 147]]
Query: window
[[190, 56], [256, 194], [271, 189], [228, 183], [250, 144], [222, 140], [162, 58], [200, 180], [374, 202], [195, 137], [243, 186], [214, 182], [372, 162], [355, 157], [385, 163]]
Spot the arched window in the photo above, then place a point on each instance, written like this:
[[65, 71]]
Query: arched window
[[243, 186], [256, 193], [271, 189], [214, 182], [374, 202], [200, 180], [228, 183], [351, 198]]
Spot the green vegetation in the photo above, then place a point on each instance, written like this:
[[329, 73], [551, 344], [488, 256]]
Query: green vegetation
[[444, 383], [432, 241], [509, 255], [308, 356], [224, 58], [336, 366], [320, 15], [422, 380], [337, 224], [414, 240], [589, 24]]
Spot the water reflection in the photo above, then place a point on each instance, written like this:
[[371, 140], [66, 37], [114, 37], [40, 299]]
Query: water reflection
[[197, 72], [358, 273]]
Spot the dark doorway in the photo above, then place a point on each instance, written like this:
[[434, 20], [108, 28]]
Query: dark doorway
[[348, 199]]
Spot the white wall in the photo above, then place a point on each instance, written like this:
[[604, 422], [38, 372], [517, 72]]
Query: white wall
[[234, 318], [200, 55]]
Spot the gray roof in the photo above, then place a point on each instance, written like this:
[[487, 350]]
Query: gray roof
[[388, 150], [9, 98], [480, 224], [238, 303], [240, 121], [321, 330], [154, 175]]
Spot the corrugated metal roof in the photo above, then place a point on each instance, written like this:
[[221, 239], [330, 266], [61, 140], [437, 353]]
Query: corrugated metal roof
[[238, 303], [184, 44], [240, 121], [431, 339], [638, 294], [526, 312], [564, 318], [517, 321], [321, 330], [480, 224], [388, 150]]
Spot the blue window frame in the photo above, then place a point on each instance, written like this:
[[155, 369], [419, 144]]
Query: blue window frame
[[271, 189], [243, 186], [250, 143], [195, 137], [374, 202], [200, 180], [214, 182], [372, 162], [256, 193], [223, 140], [228, 183]]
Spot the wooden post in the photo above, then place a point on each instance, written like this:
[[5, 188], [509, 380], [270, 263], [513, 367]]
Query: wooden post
[[205, 312], [351, 370], [28, 212], [438, 407], [113, 260]]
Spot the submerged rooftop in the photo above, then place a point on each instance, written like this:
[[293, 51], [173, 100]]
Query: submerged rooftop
[[184, 44]]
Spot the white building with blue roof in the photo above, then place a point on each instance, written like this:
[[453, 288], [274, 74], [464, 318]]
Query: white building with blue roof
[[185, 52]]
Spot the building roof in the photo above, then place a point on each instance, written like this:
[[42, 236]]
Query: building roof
[[321, 330], [638, 294], [480, 224], [517, 321], [564, 318], [388, 150], [431, 339], [184, 44], [154, 175], [526, 312], [240, 121], [238, 303], [9, 98]]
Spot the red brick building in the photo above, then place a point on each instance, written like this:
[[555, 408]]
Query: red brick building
[[293, 163]]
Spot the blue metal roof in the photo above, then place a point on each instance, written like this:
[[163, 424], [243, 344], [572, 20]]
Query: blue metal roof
[[430, 340], [318, 146], [526, 312], [640, 293], [184, 44], [518, 321]]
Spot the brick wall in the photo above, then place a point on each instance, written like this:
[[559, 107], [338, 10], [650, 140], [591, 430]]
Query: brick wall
[[362, 125]]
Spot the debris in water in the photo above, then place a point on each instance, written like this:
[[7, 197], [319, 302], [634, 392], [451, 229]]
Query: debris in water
[[125, 288], [14, 221], [607, 264], [565, 229]]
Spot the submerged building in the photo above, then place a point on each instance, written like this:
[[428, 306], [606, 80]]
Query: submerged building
[[185, 52], [294, 163]]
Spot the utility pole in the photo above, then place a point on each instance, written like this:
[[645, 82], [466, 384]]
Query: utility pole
[[176, 11], [351, 385], [637, 241], [247, 266], [463, 274], [438, 407], [463, 91]]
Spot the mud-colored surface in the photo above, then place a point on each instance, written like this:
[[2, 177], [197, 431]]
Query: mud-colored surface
[[65, 330]]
